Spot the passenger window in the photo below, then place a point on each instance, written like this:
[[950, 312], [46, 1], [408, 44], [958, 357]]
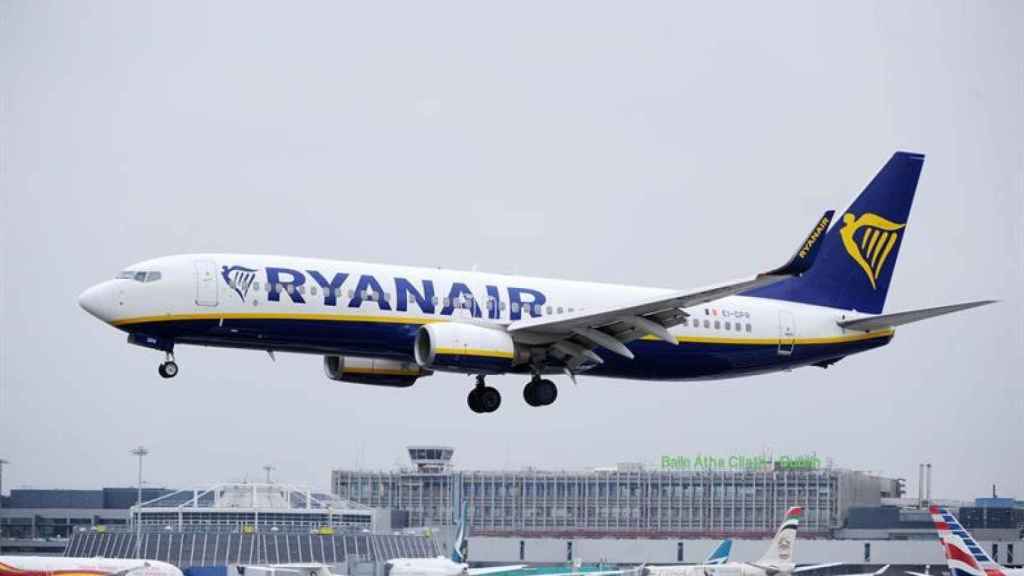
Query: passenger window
[[337, 292], [434, 300], [515, 306], [447, 302], [278, 287], [152, 276], [748, 327], [312, 290], [386, 297], [707, 323], [549, 309], [559, 309], [502, 306], [140, 277], [256, 286], [570, 310], [683, 322], [290, 288], [728, 325], [718, 325], [302, 289]]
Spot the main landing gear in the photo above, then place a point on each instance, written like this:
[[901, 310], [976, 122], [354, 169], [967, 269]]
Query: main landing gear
[[483, 398], [540, 392], [168, 368]]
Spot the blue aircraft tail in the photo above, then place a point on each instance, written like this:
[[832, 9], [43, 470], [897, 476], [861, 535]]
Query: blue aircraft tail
[[859, 253], [720, 555]]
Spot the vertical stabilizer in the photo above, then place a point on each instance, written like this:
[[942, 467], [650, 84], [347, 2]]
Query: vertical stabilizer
[[859, 252], [780, 552], [460, 551], [964, 555], [720, 555]]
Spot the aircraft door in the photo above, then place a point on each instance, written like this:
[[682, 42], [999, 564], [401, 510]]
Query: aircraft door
[[787, 333], [206, 282]]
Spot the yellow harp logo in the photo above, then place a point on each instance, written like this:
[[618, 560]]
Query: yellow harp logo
[[876, 240]]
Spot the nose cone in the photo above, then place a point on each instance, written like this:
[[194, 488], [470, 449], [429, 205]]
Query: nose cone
[[98, 301]]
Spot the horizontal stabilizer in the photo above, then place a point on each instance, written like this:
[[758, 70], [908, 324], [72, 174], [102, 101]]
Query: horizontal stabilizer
[[900, 318]]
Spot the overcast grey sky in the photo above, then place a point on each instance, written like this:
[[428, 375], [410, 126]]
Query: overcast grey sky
[[666, 144]]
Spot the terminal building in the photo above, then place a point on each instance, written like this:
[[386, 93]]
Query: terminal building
[[626, 501]]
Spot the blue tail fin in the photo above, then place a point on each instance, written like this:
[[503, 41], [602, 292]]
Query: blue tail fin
[[720, 555], [858, 255]]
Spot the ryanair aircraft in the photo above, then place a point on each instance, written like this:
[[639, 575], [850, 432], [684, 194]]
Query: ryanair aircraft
[[390, 325]]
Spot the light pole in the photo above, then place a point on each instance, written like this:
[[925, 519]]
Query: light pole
[[268, 468], [141, 452]]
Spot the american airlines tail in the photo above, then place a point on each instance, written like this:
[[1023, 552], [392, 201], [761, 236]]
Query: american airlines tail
[[964, 555], [858, 255], [780, 552]]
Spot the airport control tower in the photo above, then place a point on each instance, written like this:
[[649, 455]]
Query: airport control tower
[[431, 459]]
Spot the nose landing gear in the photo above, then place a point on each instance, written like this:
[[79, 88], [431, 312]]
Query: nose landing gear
[[540, 392], [168, 368], [483, 398]]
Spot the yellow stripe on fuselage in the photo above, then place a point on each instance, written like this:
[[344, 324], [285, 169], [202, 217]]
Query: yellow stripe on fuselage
[[775, 341]]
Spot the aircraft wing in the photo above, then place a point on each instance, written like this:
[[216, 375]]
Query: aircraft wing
[[900, 318], [575, 335], [878, 572], [815, 567], [494, 569]]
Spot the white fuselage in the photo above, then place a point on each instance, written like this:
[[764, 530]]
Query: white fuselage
[[337, 307], [61, 566]]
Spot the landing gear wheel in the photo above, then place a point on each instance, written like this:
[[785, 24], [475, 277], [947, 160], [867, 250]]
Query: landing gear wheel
[[483, 398], [490, 399], [168, 369], [539, 392]]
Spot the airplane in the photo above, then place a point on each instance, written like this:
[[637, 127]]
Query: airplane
[[964, 555], [389, 325], [61, 566], [455, 565]]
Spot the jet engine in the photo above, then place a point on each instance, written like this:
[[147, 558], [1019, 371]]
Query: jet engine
[[373, 371], [459, 347]]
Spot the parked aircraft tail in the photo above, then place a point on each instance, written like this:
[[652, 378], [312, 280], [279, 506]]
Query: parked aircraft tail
[[460, 546], [720, 555], [859, 252], [964, 555], [780, 552]]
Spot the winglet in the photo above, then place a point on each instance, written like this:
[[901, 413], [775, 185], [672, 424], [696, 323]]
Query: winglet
[[807, 253]]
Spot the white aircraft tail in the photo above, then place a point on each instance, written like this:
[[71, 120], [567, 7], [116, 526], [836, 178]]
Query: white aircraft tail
[[780, 552]]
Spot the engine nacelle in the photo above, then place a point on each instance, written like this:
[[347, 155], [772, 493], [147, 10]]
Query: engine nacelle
[[372, 371], [458, 347]]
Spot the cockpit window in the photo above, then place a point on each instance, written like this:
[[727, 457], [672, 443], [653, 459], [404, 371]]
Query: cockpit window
[[138, 276]]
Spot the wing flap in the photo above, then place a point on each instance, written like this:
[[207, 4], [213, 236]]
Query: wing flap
[[899, 318]]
